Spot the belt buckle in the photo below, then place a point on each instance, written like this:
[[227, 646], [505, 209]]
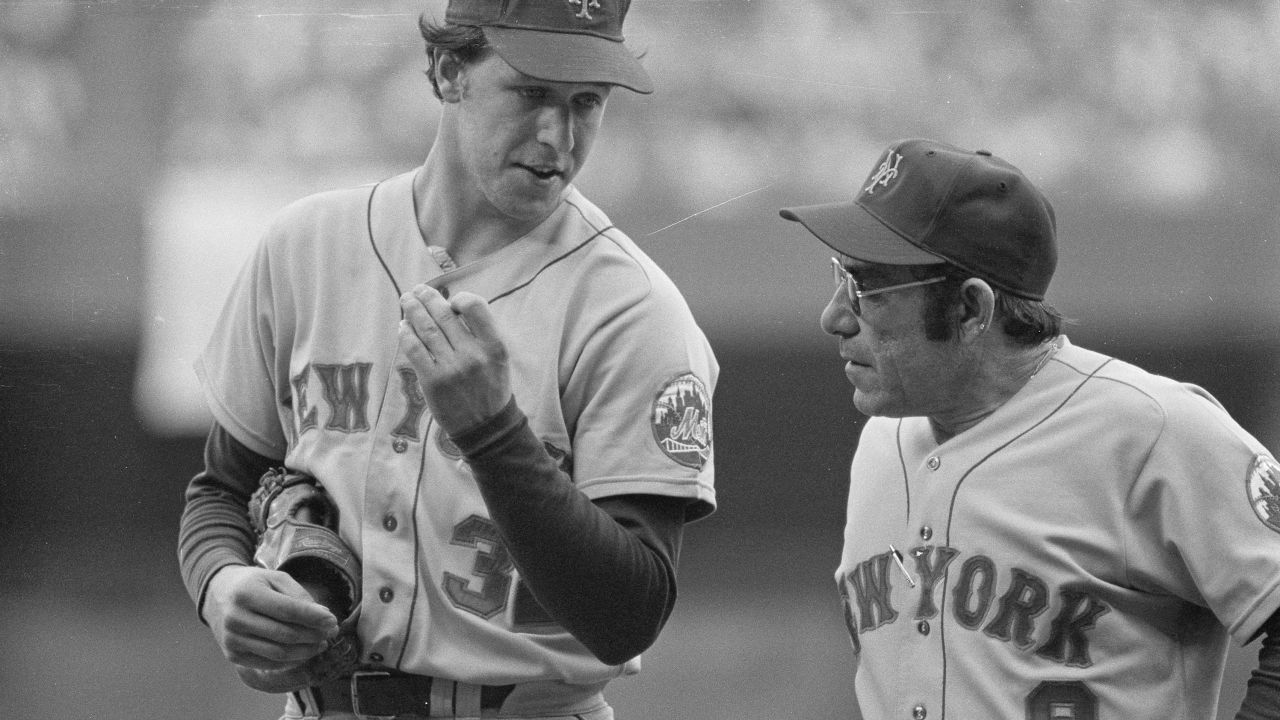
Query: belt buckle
[[355, 693]]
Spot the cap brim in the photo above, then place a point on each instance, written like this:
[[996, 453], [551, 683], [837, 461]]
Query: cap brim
[[569, 57], [849, 229]]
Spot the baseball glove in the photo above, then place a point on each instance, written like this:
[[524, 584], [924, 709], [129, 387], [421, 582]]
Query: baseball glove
[[297, 522]]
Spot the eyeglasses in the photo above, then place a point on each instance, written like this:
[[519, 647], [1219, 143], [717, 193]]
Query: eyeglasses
[[856, 291]]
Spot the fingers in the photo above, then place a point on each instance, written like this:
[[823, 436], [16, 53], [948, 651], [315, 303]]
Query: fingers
[[461, 361], [264, 619], [276, 681], [433, 320], [294, 605], [443, 323], [258, 653], [477, 316]]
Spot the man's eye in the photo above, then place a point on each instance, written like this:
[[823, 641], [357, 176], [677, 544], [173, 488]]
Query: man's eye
[[589, 101], [865, 283]]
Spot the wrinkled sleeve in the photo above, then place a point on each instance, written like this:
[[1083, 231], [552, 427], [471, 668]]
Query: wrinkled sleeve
[[1204, 471], [241, 370], [638, 392]]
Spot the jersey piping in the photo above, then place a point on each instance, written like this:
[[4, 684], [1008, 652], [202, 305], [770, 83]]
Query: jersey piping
[[529, 282], [311, 263], [946, 575], [417, 556], [417, 494], [374, 244], [906, 476]]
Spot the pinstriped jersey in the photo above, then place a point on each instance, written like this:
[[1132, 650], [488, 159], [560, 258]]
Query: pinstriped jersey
[[607, 362], [1086, 551]]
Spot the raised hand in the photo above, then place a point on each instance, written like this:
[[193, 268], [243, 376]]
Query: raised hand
[[461, 361]]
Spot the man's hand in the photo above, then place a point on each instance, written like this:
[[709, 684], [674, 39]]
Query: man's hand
[[264, 620], [461, 361]]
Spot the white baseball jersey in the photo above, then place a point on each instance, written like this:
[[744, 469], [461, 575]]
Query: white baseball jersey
[[1081, 553], [606, 361]]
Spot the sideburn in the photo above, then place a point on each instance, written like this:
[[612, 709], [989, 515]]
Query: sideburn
[[942, 311]]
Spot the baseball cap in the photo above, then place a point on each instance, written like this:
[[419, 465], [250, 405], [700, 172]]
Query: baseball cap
[[928, 202], [557, 40]]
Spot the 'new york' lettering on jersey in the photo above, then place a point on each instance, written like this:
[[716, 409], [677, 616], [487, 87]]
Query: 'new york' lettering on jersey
[[305, 365], [1013, 616], [1102, 519]]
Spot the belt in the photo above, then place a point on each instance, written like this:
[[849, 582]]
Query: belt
[[383, 694]]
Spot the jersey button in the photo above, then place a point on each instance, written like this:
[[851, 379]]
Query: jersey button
[[375, 657], [389, 522], [386, 595], [923, 627], [926, 533], [919, 713], [934, 463], [400, 445]]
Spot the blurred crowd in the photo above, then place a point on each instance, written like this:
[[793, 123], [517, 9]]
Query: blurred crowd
[[1174, 97]]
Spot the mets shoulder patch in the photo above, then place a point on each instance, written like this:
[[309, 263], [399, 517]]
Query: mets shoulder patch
[[682, 420], [1263, 486]]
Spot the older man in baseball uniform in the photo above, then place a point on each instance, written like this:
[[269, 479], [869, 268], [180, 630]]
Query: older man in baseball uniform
[[507, 404], [1035, 530]]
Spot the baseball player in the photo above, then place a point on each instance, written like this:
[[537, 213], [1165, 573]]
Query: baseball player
[[470, 379], [1034, 530]]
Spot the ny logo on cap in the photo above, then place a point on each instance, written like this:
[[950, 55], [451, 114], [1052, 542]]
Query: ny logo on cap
[[586, 8], [886, 173]]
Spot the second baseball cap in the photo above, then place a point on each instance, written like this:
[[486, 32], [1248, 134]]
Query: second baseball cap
[[927, 202], [558, 40]]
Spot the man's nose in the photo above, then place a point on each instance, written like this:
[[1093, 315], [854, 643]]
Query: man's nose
[[555, 128], [838, 317]]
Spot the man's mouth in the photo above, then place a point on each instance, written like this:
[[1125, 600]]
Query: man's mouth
[[543, 172]]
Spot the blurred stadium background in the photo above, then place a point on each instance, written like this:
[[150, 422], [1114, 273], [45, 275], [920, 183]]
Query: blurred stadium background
[[143, 144]]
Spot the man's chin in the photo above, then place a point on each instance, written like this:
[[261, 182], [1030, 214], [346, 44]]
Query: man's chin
[[872, 406], [863, 404], [534, 203]]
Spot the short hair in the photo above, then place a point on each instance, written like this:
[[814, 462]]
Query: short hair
[[467, 42], [1028, 322]]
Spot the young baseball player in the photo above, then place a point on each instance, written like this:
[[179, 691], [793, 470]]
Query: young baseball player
[[491, 400], [1034, 530]]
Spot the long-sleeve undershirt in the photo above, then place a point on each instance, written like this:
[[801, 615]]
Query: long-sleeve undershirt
[[605, 571], [214, 531], [1262, 699]]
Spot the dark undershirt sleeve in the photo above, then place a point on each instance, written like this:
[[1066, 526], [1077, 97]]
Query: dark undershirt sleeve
[[1262, 699], [214, 531], [605, 571]]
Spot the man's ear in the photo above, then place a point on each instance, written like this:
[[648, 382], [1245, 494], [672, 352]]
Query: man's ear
[[450, 76], [979, 307]]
